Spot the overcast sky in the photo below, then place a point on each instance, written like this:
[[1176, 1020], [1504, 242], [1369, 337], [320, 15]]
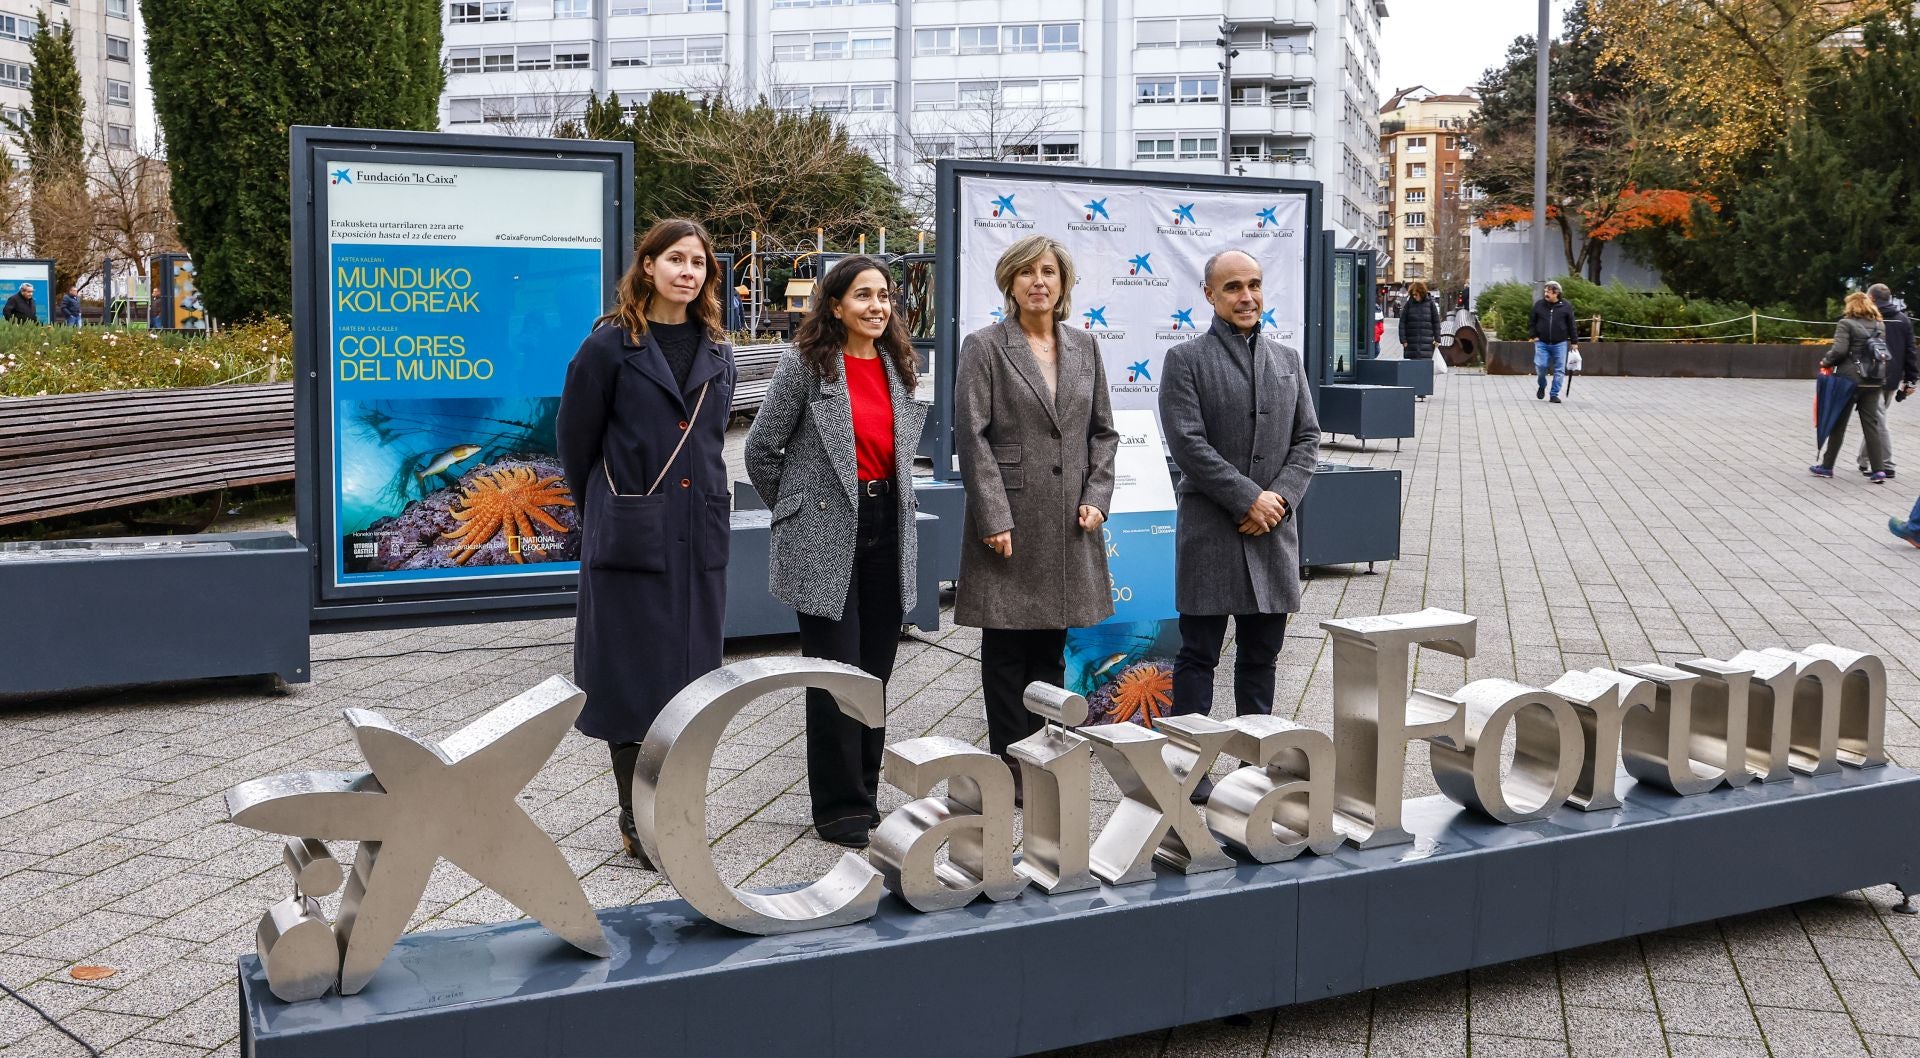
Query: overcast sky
[[1446, 44]]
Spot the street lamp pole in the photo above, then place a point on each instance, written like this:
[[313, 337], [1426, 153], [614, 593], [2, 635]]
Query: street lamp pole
[[1540, 149], [1226, 97]]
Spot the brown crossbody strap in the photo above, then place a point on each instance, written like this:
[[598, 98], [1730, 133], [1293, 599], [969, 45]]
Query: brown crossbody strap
[[684, 434]]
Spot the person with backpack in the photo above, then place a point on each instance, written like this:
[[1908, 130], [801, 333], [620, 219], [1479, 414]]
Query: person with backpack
[[1860, 352], [1902, 376]]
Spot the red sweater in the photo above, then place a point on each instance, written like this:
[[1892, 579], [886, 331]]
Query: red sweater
[[872, 417]]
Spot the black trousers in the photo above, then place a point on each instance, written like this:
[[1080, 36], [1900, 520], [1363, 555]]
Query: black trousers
[[1011, 658], [843, 755], [1258, 639]]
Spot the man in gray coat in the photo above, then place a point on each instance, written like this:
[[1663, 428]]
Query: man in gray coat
[[1239, 419]]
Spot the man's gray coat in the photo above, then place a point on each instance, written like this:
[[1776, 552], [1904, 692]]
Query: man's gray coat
[[1239, 422], [800, 457], [1029, 463]]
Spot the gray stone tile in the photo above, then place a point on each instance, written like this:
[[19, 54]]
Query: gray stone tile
[[1814, 1033]]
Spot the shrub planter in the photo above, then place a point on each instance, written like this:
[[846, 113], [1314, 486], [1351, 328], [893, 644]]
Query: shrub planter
[[1671, 359]]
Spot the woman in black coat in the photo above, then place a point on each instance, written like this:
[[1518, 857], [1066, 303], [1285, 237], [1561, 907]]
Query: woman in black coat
[[642, 424], [1419, 323]]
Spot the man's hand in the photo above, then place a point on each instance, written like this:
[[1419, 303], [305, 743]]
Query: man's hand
[[1267, 510], [1001, 544], [1090, 518]]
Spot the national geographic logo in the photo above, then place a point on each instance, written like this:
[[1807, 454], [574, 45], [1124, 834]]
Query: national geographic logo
[[1140, 273], [1097, 218]]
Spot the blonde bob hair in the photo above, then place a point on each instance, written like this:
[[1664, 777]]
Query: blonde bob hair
[[1860, 306], [1024, 254]]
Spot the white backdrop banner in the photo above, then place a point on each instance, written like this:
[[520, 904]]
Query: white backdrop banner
[[1139, 251]]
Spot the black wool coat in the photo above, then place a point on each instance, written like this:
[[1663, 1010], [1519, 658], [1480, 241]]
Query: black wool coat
[[1420, 327], [639, 637]]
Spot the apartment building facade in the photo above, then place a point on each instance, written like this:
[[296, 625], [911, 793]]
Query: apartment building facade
[[1109, 83], [109, 49], [1425, 206]]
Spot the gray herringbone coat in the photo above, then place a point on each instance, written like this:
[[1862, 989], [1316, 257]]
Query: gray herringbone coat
[[1029, 463], [1238, 424], [800, 457]]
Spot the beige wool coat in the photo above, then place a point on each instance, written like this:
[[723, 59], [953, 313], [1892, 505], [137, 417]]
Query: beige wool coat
[[1028, 464]]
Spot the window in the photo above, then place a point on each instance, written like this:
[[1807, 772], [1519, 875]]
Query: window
[[17, 74], [868, 97], [1453, 142], [120, 93], [873, 47], [1200, 89], [1416, 194], [1061, 92], [1175, 33], [706, 50], [830, 97], [117, 49], [119, 135], [1249, 95], [979, 93], [671, 51], [1297, 96], [979, 40], [1153, 150], [933, 42], [1416, 145], [1061, 36], [1020, 93], [1059, 152], [1417, 220], [13, 27], [706, 5], [463, 60], [534, 57], [117, 9], [792, 98], [931, 149], [1199, 147], [1416, 170], [573, 8], [497, 59], [1020, 38], [1416, 245], [573, 56], [936, 95], [791, 47], [1415, 270], [1156, 34], [480, 11], [1447, 168], [464, 111], [830, 46], [1151, 90]]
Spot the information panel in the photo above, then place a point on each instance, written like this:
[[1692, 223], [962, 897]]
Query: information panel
[[450, 290], [17, 273]]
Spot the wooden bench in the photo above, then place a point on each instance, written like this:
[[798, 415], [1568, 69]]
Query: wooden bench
[[756, 364], [87, 452]]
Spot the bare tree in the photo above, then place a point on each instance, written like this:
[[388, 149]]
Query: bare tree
[[987, 127], [133, 206], [16, 226]]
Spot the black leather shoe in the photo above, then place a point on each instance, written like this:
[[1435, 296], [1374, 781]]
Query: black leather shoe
[[848, 833], [1202, 792], [1554, 400]]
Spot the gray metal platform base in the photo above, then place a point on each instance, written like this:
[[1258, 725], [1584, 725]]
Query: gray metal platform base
[[1017, 977]]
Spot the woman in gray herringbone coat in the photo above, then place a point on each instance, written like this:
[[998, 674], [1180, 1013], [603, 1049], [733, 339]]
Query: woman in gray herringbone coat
[[1034, 427], [831, 453]]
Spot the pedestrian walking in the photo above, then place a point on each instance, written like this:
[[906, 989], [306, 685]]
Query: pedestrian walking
[[70, 307], [1908, 530], [1419, 327], [1240, 423], [641, 428], [1034, 427], [1860, 354], [831, 452], [20, 307], [1551, 328], [1901, 379]]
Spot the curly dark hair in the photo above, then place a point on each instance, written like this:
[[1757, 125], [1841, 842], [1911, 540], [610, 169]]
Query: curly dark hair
[[821, 336]]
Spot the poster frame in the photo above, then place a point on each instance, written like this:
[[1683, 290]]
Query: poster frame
[[161, 265], [45, 304], [947, 175], [423, 603]]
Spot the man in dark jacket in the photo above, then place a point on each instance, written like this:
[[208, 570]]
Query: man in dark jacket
[[1902, 375], [1552, 331], [20, 307], [70, 307]]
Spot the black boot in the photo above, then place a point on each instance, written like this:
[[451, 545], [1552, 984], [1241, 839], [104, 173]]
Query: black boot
[[625, 756]]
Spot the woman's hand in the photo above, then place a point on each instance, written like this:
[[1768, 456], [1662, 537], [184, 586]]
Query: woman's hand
[[1090, 518], [1001, 544]]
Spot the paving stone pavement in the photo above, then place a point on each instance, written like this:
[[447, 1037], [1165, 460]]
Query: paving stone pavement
[[1645, 519]]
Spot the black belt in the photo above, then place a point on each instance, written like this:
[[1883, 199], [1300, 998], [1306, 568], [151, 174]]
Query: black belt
[[877, 487]]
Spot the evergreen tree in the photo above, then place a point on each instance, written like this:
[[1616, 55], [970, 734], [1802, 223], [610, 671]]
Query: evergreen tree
[[53, 139], [231, 77]]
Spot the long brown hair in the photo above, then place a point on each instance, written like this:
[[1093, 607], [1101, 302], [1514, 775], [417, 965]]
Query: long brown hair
[[821, 336], [635, 292]]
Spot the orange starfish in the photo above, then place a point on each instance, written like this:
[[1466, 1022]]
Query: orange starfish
[[512, 501], [1142, 694]]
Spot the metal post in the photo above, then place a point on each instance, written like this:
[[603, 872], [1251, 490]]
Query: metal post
[[1541, 45], [754, 289], [920, 241], [1754, 318], [883, 242], [819, 241], [1226, 98], [863, 244]]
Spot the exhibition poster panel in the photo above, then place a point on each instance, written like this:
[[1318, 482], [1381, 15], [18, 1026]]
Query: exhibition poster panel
[[457, 294], [16, 274], [1140, 252], [188, 313], [1124, 665]]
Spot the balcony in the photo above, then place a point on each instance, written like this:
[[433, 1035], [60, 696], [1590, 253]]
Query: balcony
[[1290, 12], [1271, 120], [1269, 65]]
